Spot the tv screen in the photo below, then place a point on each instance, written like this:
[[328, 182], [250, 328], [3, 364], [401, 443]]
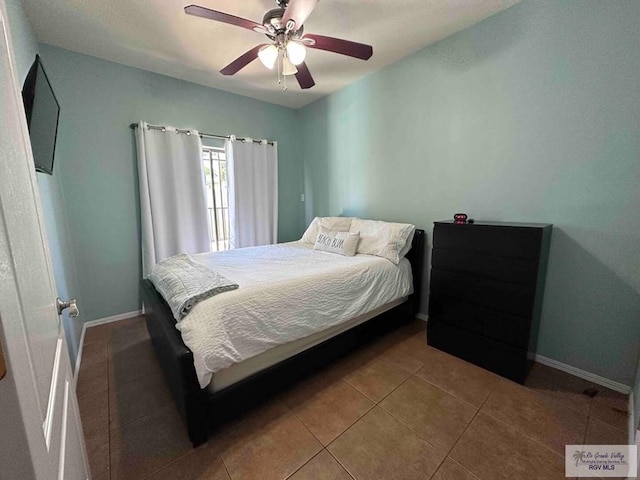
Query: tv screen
[[42, 111]]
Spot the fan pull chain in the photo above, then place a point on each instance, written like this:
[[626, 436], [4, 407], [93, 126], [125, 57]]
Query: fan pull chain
[[284, 56], [279, 62]]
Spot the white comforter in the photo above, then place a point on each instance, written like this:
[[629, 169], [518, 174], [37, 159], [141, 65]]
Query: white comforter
[[287, 292]]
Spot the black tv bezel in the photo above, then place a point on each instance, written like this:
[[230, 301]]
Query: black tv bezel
[[28, 97]]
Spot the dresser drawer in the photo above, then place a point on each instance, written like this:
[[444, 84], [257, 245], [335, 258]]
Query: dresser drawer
[[457, 313], [503, 297], [502, 359], [509, 329], [504, 269], [506, 328], [517, 242]]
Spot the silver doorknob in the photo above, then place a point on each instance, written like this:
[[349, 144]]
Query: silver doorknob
[[70, 304]]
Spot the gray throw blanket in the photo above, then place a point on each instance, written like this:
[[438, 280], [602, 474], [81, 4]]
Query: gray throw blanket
[[183, 282]]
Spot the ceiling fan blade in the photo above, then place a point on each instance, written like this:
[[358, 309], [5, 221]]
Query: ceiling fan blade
[[304, 76], [203, 12], [337, 45], [242, 61], [298, 11]]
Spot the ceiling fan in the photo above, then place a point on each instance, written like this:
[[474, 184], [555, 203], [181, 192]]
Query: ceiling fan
[[284, 26]]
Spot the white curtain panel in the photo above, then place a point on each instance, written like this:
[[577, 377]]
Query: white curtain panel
[[172, 194], [252, 168]]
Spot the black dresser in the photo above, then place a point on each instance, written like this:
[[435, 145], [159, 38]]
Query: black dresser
[[487, 282]]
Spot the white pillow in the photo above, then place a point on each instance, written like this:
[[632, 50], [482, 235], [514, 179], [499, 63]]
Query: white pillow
[[337, 224], [383, 239], [343, 243], [407, 246]]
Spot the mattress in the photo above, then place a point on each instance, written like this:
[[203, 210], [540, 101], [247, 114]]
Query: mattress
[[242, 370], [287, 292]]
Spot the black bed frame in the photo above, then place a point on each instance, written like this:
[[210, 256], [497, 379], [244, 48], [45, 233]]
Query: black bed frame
[[202, 411]]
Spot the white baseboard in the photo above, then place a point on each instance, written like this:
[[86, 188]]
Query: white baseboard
[[592, 377], [94, 323], [79, 356], [113, 318], [577, 372]]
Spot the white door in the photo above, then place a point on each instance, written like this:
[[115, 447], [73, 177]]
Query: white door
[[40, 432]]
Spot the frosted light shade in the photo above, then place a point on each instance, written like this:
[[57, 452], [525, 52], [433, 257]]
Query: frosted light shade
[[268, 56], [288, 68], [296, 52]]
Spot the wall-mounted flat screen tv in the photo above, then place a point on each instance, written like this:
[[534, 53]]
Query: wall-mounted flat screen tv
[[43, 111]]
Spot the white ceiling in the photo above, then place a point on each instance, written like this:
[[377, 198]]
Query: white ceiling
[[156, 35]]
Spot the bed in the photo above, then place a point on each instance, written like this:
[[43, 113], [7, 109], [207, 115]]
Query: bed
[[219, 376]]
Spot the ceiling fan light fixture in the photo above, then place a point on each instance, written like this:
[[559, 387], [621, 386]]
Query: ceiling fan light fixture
[[288, 41], [268, 56], [288, 68], [296, 52]]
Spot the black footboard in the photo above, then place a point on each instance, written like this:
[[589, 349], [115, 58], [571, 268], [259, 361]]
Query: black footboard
[[177, 363]]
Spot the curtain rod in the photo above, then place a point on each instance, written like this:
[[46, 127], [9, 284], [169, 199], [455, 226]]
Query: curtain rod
[[133, 126]]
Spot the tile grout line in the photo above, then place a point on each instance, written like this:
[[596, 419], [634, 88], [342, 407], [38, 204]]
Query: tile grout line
[[167, 465], [604, 422], [453, 394], [226, 469], [302, 466], [539, 392], [450, 393], [388, 413], [462, 434], [292, 410], [376, 404], [146, 414], [344, 467], [393, 390], [293, 413], [412, 430], [470, 422], [149, 475], [446, 453], [462, 467], [586, 430], [523, 434], [625, 430]]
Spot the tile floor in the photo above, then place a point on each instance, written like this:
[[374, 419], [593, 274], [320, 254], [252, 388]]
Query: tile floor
[[394, 409]]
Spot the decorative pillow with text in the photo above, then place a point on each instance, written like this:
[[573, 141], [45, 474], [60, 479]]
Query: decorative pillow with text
[[337, 224], [343, 243]]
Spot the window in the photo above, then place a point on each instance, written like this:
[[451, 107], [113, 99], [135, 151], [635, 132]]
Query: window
[[215, 175]]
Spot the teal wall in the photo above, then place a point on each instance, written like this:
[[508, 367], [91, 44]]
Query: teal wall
[[531, 115], [25, 48], [96, 162]]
